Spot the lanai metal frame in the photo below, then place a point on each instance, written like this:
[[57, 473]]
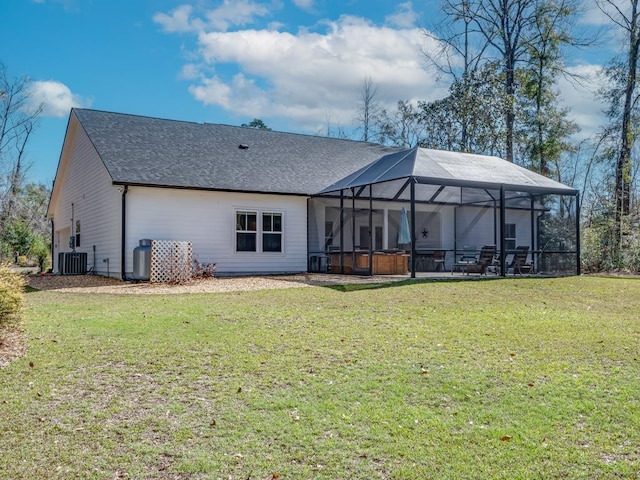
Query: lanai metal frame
[[435, 177]]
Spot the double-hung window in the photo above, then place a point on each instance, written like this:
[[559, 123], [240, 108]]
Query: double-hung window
[[271, 232], [254, 236], [246, 231]]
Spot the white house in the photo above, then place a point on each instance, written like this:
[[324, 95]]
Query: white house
[[255, 201]]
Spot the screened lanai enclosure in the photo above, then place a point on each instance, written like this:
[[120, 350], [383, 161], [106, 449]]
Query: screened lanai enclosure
[[422, 210]]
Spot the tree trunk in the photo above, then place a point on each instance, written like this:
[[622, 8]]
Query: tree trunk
[[623, 164], [510, 115]]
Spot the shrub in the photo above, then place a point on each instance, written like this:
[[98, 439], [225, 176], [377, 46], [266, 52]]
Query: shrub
[[202, 270], [40, 250], [601, 252], [11, 290], [18, 236]]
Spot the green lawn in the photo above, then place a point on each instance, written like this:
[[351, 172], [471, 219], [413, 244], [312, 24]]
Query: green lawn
[[493, 379]]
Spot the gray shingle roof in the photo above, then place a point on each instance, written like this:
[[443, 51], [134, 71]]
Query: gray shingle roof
[[140, 150], [151, 151]]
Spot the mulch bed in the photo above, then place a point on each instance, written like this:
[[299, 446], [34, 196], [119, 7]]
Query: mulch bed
[[57, 282]]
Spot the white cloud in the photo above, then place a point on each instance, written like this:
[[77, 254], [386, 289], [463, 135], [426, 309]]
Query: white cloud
[[595, 15], [304, 4], [312, 75], [230, 13], [604, 24], [190, 71], [212, 91], [235, 13], [404, 17], [579, 96], [307, 77], [55, 97], [178, 20]]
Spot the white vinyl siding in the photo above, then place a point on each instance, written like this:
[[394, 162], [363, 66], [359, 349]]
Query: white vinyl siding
[[476, 227], [208, 220], [83, 181]]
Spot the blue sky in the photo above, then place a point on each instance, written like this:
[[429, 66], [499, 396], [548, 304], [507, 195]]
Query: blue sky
[[298, 64]]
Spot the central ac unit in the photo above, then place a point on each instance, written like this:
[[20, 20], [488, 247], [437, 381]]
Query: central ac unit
[[72, 263]]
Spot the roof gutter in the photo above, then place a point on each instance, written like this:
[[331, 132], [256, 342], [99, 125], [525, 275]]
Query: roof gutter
[[123, 261], [209, 189]]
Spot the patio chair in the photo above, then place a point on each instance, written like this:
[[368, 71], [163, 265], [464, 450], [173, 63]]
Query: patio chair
[[519, 262], [485, 259], [439, 257], [469, 255]]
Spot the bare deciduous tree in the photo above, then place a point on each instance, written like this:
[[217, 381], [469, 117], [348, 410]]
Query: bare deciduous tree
[[506, 34], [402, 128], [623, 97], [17, 121], [368, 110]]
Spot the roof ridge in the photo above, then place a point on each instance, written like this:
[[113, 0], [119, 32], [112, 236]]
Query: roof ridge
[[206, 124], [136, 115]]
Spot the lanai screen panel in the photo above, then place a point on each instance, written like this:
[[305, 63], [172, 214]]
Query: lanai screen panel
[[466, 192], [557, 235]]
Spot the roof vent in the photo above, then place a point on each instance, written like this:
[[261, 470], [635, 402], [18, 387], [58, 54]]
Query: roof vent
[[243, 146]]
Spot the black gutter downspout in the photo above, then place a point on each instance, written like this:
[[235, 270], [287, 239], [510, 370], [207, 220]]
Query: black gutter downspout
[[455, 233], [124, 232], [309, 238], [370, 229], [578, 252], [353, 230], [341, 232], [413, 228], [503, 218], [53, 229], [495, 222], [533, 234]]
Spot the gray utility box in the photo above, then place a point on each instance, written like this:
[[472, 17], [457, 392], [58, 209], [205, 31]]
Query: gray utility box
[[142, 260]]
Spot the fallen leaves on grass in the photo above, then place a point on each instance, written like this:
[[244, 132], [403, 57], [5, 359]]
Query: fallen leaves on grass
[[12, 344]]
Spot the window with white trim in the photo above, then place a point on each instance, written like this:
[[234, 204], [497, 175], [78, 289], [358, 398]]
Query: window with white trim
[[271, 232], [246, 231], [264, 235]]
